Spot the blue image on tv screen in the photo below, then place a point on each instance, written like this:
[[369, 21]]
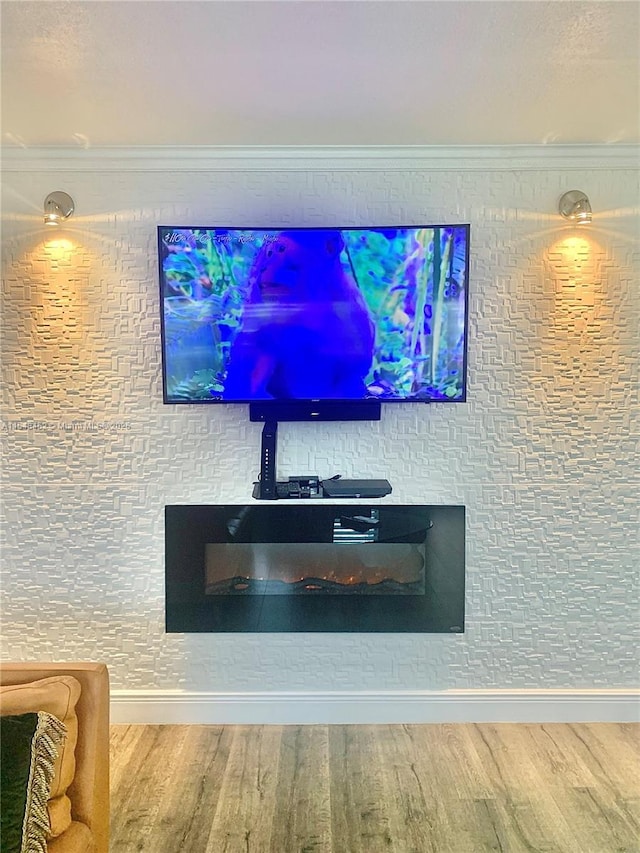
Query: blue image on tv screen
[[314, 313]]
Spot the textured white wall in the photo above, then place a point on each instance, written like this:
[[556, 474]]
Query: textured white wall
[[542, 455]]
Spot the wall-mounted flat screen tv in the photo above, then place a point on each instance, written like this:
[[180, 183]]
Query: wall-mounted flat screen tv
[[351, 314]]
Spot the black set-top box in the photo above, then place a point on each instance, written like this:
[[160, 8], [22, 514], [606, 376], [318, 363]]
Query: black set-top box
[[356, 488]]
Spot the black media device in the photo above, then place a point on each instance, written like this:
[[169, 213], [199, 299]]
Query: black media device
[[356, 488], [299, 487], [293, 487]]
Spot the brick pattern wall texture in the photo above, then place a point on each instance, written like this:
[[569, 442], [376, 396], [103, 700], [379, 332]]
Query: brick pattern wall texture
[[543, 454]]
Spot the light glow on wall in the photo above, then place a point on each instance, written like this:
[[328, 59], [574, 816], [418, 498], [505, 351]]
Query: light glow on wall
[[575, 264], [61, 309], [59, 251]]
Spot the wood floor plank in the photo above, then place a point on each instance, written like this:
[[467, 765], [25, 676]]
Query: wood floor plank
[[446, 760], [555, 756], [244, 814], [523, 800], [505, 757], [186, 811], [458, 752], [594, 779], [414, 790], [123, 745], [303, 794], [613, 755], [597, 824], [359, 821], [136, 800]]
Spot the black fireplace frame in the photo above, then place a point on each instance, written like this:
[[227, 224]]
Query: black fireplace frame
[[188, 529]]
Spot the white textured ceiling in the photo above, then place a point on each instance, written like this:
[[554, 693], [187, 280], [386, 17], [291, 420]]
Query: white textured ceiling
[[383, 72]]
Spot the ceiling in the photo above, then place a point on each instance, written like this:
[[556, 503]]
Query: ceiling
[[319, 72]]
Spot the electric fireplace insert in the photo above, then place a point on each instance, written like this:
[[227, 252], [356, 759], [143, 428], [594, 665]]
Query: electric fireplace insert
[[317, 567]]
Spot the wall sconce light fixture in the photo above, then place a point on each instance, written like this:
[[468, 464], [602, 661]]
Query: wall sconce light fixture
[[57, 206], [575, 207]]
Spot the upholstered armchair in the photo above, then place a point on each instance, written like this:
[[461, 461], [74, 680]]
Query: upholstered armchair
[[78, 694]]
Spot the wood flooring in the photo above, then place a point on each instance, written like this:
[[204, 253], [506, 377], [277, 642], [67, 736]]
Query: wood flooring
[[559, 788]]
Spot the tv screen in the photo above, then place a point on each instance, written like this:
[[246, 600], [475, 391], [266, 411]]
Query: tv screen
[[258, 314]]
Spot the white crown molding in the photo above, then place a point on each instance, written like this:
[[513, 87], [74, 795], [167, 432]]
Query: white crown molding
[[290, 158], [158, 707]]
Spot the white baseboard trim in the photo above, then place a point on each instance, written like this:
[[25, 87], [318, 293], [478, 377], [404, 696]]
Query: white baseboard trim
[[157, 707]]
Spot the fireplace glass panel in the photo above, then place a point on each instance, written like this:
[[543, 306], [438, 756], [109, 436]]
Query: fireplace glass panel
[[314, 568]]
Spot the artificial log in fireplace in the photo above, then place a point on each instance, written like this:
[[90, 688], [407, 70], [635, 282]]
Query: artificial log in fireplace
[[314, 567]]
